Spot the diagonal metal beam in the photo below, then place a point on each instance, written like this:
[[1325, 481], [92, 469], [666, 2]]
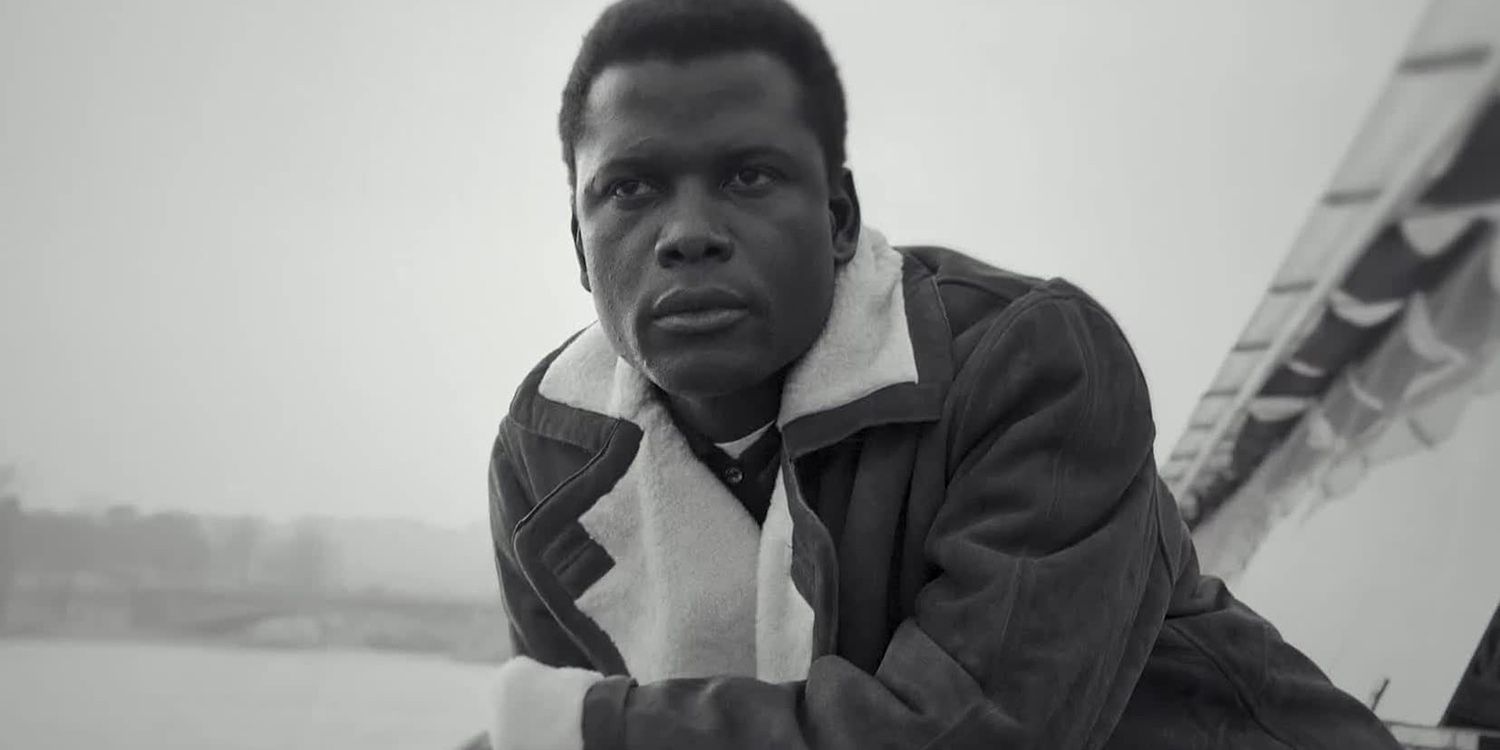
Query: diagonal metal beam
[[1458, 58]]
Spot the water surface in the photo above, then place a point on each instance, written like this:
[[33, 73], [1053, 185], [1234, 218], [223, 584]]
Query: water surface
[[62, 695]]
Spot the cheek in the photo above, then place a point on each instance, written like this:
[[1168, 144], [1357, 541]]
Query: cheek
[[606, 251], [611, 290], [615, 313], [614, 278], [804, 301]]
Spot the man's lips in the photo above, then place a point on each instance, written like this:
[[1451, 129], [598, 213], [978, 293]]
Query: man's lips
[[702, 321], [698, 309]]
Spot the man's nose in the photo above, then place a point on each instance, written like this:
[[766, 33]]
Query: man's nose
[[692, 233]]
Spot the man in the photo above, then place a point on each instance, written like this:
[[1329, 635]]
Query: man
[[798, 488]]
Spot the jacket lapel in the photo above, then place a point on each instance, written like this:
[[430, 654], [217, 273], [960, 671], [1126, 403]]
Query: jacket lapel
[[653, 565], [883, 358]]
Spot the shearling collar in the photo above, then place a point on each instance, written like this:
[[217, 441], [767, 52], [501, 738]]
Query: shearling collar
[[882, 357], [679, 580]]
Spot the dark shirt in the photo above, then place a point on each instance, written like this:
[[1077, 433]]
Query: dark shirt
[[751, 478]]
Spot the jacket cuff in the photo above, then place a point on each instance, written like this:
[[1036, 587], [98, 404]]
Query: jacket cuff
[[604, 713], [537, 707]]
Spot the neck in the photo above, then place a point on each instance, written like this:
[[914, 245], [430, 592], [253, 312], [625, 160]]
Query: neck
[[730, 416]]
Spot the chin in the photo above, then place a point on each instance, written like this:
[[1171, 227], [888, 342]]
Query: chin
[[707, 376]]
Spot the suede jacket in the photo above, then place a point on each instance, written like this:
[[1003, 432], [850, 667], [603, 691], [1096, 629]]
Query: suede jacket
[[968, 547]]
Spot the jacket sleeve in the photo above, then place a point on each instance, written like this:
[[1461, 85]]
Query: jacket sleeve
[[1048, 582]]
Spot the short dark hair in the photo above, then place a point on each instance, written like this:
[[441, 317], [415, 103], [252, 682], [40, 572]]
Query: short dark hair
[[681, 30]]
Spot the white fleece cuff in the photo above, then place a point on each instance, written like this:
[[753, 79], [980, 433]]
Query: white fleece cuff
[[538, 707]]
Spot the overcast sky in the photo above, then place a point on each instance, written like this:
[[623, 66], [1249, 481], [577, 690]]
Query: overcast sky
[[293, 257]]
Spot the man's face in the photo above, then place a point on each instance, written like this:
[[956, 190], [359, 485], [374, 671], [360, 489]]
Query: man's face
[[705, 220]]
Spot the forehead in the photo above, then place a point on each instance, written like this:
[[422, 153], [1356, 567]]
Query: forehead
[[735, 100]]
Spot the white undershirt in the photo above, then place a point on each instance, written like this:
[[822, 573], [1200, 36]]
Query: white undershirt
[[738, 446]]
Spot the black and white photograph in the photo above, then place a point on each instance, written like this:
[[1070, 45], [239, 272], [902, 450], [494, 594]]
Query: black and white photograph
[[750, 374]]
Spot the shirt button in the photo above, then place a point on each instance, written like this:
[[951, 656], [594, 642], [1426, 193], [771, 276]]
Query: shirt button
[[733, 475]]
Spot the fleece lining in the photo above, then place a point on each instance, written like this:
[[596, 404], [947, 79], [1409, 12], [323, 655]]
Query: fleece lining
[[697, 587]]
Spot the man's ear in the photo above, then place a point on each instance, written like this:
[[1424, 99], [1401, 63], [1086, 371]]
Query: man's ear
[[583, 266], [844, 217]]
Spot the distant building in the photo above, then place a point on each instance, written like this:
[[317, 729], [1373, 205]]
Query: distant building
[[10, 521]]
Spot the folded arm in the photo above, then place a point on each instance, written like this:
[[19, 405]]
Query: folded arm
[[1049, 590]]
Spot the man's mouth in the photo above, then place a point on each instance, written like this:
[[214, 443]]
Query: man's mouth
[[706, 320], [698, 310]]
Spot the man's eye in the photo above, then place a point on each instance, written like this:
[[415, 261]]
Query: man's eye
[[629, 188], [751, 178]]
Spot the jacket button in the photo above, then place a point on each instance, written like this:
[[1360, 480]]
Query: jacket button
[[733, 475]]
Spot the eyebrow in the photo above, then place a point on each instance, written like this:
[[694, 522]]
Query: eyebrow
[[736, 153], [635, 162], [646, 159], [761, 151]]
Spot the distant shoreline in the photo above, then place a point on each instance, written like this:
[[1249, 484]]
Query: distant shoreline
[[463, 631], [65, 639]]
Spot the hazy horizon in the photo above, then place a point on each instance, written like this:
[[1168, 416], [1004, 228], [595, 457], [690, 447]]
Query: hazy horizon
[[293, 258]]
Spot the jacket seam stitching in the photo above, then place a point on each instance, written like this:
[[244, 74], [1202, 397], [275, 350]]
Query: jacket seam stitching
[[564, 564], [1239, 690], [971, 284], [947, 733], [1004, 322], [937, 293], [1084, 348]]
